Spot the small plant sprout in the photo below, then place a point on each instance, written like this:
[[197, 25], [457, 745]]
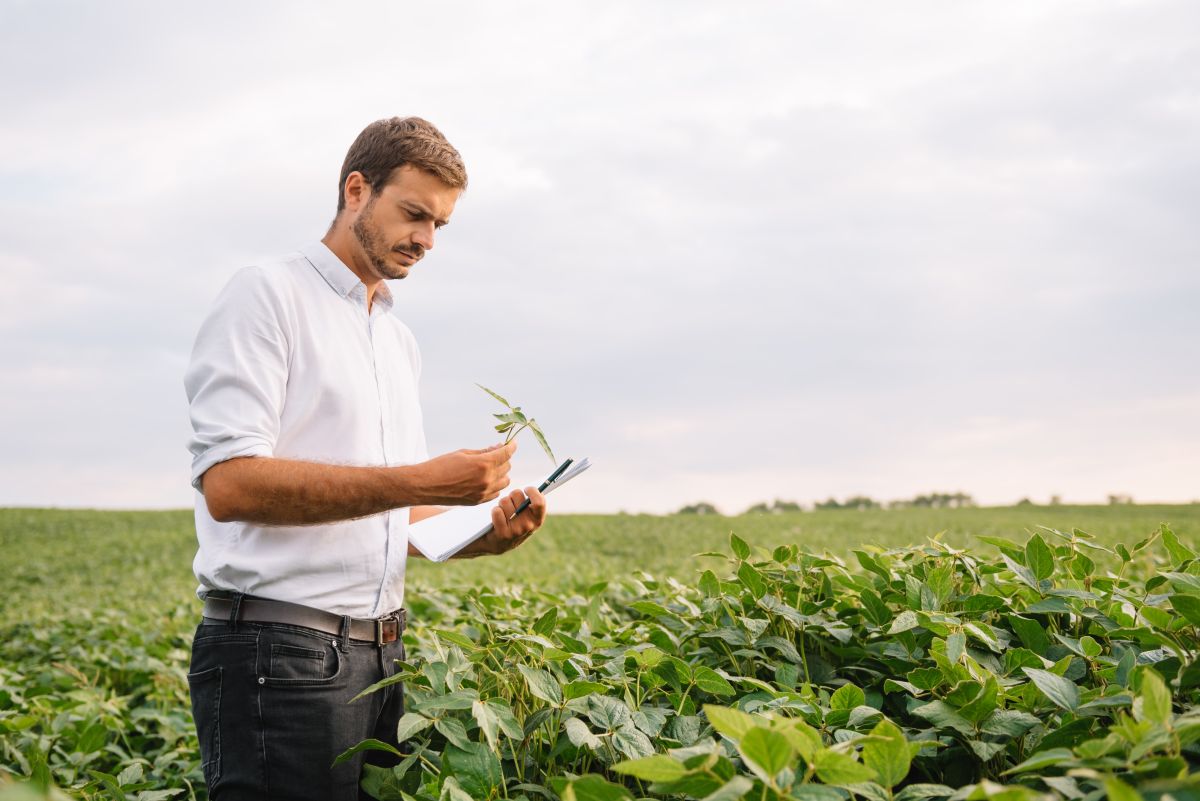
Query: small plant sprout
[[514, 421]]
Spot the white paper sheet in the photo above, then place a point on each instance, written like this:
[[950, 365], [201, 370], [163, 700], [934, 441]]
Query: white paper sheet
[[443, 535]]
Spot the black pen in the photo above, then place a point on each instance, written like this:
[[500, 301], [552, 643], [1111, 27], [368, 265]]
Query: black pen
[[525, 503]]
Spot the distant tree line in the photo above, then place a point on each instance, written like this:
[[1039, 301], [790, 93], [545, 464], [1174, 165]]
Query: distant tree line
[[934, 500]]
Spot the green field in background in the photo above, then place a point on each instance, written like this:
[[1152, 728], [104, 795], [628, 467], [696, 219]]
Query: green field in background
[[99, 607], [57, 560]]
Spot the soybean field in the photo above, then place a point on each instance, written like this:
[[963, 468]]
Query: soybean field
[[1030, 652]]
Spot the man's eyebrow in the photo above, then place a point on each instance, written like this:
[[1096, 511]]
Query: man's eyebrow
[[412, 204]]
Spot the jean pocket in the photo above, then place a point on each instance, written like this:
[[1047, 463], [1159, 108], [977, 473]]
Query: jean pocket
[[205, 689], [296, 659]]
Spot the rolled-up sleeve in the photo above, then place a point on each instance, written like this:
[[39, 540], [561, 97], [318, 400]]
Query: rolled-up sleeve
[[237, 378]]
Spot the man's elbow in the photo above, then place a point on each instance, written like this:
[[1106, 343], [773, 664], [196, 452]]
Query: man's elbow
[[220, 495]]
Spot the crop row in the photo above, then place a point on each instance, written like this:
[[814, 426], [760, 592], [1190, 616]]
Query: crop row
[[1063, 668]]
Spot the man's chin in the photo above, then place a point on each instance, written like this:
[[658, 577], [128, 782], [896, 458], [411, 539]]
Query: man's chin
[[391, 271]]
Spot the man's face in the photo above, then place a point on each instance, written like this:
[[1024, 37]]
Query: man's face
[[398, 223]]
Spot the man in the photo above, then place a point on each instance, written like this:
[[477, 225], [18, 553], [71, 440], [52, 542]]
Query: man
[[309, 460]]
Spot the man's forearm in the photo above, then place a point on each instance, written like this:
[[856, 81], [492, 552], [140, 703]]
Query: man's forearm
[[284, 492]]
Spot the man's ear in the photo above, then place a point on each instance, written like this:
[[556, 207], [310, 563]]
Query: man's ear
[[356, 191]]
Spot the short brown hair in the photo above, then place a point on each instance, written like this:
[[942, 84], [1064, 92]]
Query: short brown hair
[[387, 144]]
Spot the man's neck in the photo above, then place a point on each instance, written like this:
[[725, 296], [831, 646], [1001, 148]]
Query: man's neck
[[341, 241]]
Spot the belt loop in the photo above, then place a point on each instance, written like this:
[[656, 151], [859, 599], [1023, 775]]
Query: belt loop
[[345, 634], [235, 610]]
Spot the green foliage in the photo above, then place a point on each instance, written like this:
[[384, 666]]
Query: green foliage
[[1063, 667], [514, 421], [913, 673]]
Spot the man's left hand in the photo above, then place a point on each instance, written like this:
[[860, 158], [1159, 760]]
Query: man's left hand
[[507, 534]]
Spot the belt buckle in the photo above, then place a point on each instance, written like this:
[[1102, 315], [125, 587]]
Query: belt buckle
[[379, 624]]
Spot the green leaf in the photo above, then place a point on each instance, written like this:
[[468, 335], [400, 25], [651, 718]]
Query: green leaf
[[608, 713], [366, 745], [1043, 759], [476, 768], [1009, 723], [453, 730], [1178, 551], [580, 735], [816, 792], [1030, 632], [631, 742], [1091, 649], [983, 704], [1063, 692], [541, 438], [956, 646], [847, 697], [130, 775], [542, 685], [981, 603], [712, 682], [1188, 606], [545, 624], [804, 738], [578, 689], [93, 739], [494, 395], [983, 633], [656, 768], [834, 767], [918, 792], [944, 716], [733, 790], [589, 788], [459, 699], [1023, 573], [904, 621], [411, 724], [1120, 791], [1154, 699], [739, 547], [1039, 557], [875, 609], [489, 723], [888, 754], [110, 784], [733, 723], [380, 782], [752, 579], [709, 584], [766, 752]]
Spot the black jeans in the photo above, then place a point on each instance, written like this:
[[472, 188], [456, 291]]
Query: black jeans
[[272, 709]]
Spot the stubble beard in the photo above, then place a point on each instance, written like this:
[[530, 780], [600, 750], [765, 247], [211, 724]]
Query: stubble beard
[[374, 247]]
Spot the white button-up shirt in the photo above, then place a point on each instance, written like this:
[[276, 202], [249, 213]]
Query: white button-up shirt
[[290, 364]]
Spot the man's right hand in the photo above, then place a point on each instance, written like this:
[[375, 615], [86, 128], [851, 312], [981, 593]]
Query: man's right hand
[[467, 477]]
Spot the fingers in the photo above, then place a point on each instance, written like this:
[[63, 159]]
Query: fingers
[[509, 532], [537, 507]]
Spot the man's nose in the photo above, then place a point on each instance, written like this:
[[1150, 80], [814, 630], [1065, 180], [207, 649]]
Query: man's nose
[[423, 236]]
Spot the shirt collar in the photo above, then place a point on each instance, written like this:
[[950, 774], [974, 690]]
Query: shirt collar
[[341, 278]]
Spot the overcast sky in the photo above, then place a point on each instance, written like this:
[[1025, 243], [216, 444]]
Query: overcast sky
[[730, 252]]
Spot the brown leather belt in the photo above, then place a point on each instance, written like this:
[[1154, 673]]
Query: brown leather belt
[[261, 610]]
